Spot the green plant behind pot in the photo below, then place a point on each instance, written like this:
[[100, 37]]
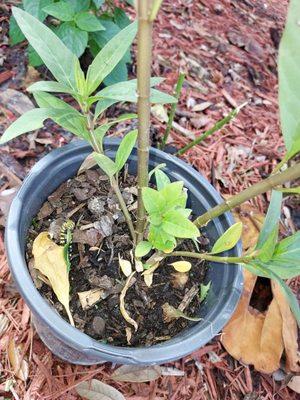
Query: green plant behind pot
[[82, 26]]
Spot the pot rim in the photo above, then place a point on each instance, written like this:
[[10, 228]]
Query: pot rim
[[175, 347]]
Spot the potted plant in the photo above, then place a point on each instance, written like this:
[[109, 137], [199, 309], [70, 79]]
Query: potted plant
[[145, 272]]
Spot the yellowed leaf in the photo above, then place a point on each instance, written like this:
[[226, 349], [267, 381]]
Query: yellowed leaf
[[125, 266], [19, 364], [122, 302], [49, 260], [181, 266], [139, 266], [148, 274]]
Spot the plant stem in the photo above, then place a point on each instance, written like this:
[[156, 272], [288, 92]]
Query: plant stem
[[116, 189], [210, 257], [173, 110], [113, 181], [247, 194], [211, 131], [143, 77]]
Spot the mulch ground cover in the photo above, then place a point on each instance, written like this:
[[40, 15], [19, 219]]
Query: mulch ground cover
[[228, 51]]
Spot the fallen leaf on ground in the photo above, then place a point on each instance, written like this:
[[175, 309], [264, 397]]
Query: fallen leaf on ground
[[19, 365], [125, 266], [90, 297], [4, 324], [134, 373], [148, 274], [125, 314], [97, 390], [50, 261], [294, 384], [259, 338], [170, 313]]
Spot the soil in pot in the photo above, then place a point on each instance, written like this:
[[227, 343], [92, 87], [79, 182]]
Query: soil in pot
[[99, 237]]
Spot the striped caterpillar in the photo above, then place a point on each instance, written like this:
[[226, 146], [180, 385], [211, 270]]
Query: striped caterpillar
[[66, 237]]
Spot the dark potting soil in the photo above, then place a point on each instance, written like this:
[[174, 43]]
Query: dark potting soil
[[99, 237]]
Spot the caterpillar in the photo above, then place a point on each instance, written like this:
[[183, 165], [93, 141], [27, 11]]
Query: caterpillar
[[66, 237]]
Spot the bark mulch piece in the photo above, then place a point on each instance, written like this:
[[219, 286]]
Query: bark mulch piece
[[228, 49]]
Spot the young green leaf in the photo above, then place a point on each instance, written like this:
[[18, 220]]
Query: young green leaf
[[106, 164], [125, 149], [174, 195], [204, 289], [161, 240], [29, 121], [56, 56], [153, 201], [50, 86], [82, 5], [80, 79], [174, 223], [75, 39], [229, 239], [142, 248], [162, 179], [269, 233], [61, 10], [35, 8], [88, 22], [109, 56], [289, 80], [15, 34]]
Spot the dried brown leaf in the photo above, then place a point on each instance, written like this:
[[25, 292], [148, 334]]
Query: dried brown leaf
[[294, 384], [90, 297], [122, 303], [97, 390], [134, 373], [170, 313], [50, 261], [19, 365], [4, 324]]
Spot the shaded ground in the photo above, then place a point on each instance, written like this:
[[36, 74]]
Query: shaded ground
[[228, 50]]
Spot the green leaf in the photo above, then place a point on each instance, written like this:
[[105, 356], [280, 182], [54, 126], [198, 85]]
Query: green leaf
[[33, 57], [142, 248], [15, 34], [80, 79], [174, 195], [109, 56], [118, 74], [61, 10], [125, 149], [289, 80], [88, 22], [269, 233], [159, 239], [204, 289], [50, 86], [79, 5], [29, 121], [120, 17], [103, 105], [174, 223], [35, 8], [229, 238], [152, 200], [98, 3], [261, 270], [106, 164], [162, 179], [55, 55], [124, 90], [63, 114], [292, 190], [75, 39]]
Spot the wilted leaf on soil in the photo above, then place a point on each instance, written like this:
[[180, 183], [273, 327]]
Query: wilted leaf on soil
[[125, 314], [19, 365], [294, 384], [90, 297], [50, 261], [125, 266], [170, 313], [97, 390], [133, 373]]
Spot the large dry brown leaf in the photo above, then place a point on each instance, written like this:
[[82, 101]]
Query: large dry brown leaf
[[19, 364], [97, 390], [134, 373], [253, 337], [49, 260]]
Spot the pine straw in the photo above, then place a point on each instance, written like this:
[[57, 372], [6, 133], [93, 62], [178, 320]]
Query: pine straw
[[188, 33]]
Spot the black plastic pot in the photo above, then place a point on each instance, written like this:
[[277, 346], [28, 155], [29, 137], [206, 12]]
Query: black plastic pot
[[66, 341]]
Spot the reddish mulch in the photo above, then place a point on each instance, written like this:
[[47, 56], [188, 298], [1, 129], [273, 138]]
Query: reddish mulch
[[228, 50]]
